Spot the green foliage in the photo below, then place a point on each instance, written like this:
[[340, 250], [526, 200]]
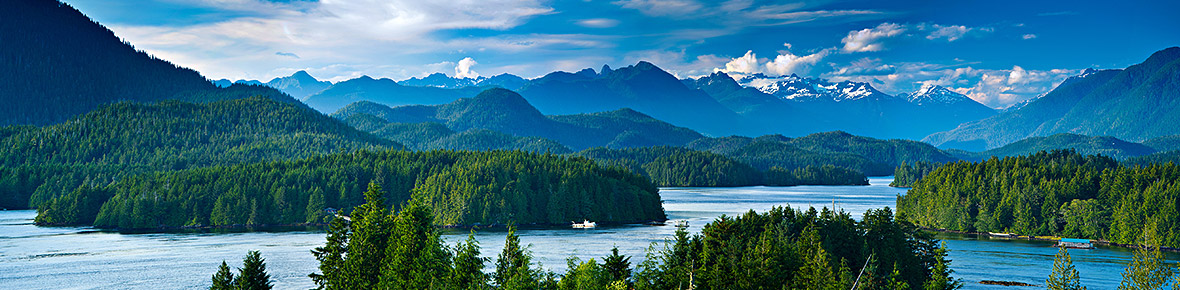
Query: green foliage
[[1147, 269], [1161, 157], [253, 274], [514, 265], [786, 248], [780, 249], [462, 188], [1064, 275], [223, 279], [415, 257], [124, 139], [673, 166], [1050, 193], [873, 157], [906, 174], [467, 272], [1164, 143], [940, 275]]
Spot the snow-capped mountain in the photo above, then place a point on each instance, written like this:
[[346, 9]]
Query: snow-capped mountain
[[796, 88], [930, 94], [440, 80]]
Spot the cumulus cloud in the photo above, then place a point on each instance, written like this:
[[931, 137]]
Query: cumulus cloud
[[787, 63], [1029, 36], [869, 39], [463, 69], [598, 23], [746, 64], [784, 63]]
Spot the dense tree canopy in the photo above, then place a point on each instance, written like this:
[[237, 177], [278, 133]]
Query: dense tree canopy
[[1049, 193], [673, 166], [463, 188]]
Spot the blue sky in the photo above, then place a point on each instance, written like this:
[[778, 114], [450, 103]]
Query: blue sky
[[997, 52]]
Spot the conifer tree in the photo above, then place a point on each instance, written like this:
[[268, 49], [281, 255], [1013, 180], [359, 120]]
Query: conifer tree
[[512, 266], [1147, 269], [414, 256], [940, 276], [331, 255], [253, 274], [224, 279], [467, 273], [366, 247], [315, 206], [816, 272], [1064, 276], [618, 266]]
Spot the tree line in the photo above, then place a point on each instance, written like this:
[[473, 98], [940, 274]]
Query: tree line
[[381, 247], [1058, 193], [674, 166], [462, 188], [906, 174]]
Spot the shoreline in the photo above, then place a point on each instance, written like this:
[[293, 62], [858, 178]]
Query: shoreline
[[261, 227], [1044, 238]]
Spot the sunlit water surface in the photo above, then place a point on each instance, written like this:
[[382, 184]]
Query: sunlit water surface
[[81, 258]]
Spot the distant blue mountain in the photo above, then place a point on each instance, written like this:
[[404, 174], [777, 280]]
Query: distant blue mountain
[[1134, 104]]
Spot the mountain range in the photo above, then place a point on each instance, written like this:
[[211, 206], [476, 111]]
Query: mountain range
[[505, 111], [1135, 104]]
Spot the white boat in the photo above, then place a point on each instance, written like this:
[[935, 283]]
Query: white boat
[[681, 223], [585, 224]]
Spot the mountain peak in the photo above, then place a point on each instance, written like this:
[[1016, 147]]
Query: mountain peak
[[934, 94], [302, 74]]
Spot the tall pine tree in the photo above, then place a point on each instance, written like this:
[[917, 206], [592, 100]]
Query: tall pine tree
[[467, 273], [415, 257], [366, 248], [224, 279], [1147, 269], [331, 255], [1064, 276], [253, 274], [512, 266]]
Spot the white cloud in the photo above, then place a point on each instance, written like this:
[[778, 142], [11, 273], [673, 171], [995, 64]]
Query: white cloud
[[787, 63], [747, 64], [869, 39], [598, 23], [329, 32], [463, 69], [661, 7], [677, 62], [951, 32], [1029, 36]]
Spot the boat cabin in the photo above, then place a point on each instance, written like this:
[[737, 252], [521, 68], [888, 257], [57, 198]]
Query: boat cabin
[[1075, 243]]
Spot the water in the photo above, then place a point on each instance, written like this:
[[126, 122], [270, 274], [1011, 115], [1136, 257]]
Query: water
[[80, 258]]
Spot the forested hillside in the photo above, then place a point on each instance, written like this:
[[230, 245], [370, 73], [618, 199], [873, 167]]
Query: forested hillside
[[873, 157], [507, 112], [57, 64], [1086, 145], [1049, 193], [463, 188], [673, 166], [1134, 104], [123, 139]]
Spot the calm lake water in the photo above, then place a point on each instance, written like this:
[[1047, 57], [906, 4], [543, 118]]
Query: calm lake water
[[81, 258]]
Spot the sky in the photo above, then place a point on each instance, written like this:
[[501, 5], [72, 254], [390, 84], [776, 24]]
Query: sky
[[996, 52]]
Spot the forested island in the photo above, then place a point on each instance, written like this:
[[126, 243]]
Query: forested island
[[463, 188], [1057, 193]]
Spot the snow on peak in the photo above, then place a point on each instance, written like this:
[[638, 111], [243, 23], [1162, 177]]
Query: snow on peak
[[796, 88], [934, 94]]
